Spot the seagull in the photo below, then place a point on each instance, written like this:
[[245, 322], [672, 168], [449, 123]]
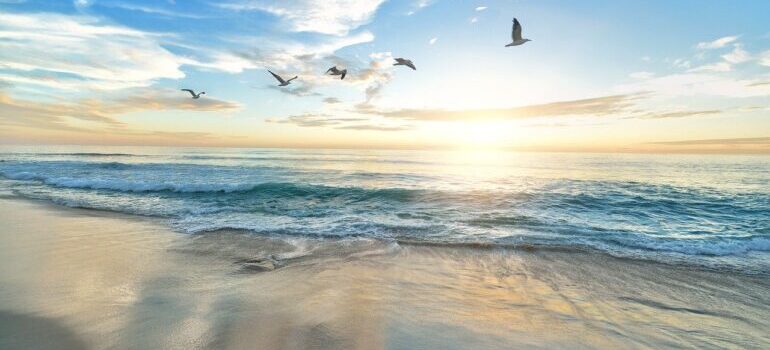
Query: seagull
[[404, 62], [335, 71], [516, 34], [282, 82], [194, 95]]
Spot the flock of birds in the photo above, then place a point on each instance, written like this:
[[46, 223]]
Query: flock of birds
[[334, 71]]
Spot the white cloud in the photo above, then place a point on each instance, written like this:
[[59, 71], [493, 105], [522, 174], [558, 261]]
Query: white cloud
[[681, 63], [481, 8], [336, 17], [641, 75], [433, 40], [714, 67], [718, 43], [737, 55], [765, 58], [473, 19], [71, 49], [151, 10], [696, 84]]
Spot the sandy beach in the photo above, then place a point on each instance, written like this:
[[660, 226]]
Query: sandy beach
[[85, 279]]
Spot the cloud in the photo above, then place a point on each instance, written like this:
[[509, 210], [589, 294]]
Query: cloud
[[82, 52], [599, 106], [737, 55], [314, 120], [714, 67], [432, 41], [375, 127], [696, 84], [102, 112], [481, 8], [332, 100], [151, 10], [681, 63], [759, 83], [303, 59], [765, 59], [341, 123], [679, 114], [473, 19], [718, 43], [641, 75], [762, 141], [335, 17], [299, 90], [418, 5]]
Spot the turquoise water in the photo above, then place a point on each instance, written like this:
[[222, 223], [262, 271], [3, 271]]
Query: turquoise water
[[706, 210]]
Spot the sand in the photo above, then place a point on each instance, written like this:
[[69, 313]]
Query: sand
[[84, 279]]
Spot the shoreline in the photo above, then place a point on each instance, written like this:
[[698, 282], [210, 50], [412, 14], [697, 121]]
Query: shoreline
[[670, 259], [111, 280]]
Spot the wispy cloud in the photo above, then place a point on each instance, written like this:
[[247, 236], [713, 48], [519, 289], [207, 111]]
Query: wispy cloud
[[83, 51], [736, 141], [713, 67], [737, 55], [677, 114], [481, 8], [432, 40], [718, 43], [765, 59], [336, 17], [641, 75], [314, 120], [599, 106], [150, 10], [371, 127], [101, 112], [340, 123]]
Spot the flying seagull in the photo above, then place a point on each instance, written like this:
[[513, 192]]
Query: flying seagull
[[281, 81], [194, 95], [516, 34], [335, 71], [404, 62]]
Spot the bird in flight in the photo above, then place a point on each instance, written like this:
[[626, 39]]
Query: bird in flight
[[516, 34], [281, 81], [404, 62], [194, 95], [335, 71]]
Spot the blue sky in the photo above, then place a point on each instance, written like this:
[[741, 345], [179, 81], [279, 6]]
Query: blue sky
[[598, 75]]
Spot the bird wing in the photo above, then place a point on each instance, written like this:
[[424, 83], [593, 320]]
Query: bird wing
[[344, 73], [332, 69], [409, 64], [190, 91], [277, 77], [516, 33], [295, 77], [400, 60]]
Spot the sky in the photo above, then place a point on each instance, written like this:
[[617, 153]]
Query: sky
[[598, 75]]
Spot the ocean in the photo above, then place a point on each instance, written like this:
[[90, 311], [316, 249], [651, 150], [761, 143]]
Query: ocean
[[708, 211]]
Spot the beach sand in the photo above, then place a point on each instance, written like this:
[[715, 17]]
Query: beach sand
[[75, 279]]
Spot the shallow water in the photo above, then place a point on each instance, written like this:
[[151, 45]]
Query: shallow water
[[85, 279], [710, 211]]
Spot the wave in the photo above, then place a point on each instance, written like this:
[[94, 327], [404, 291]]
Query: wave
[[712, 246], [80, 154], [277, 188]]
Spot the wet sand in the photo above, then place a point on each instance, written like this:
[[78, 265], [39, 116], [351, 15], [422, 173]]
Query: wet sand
[[84, 279]]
